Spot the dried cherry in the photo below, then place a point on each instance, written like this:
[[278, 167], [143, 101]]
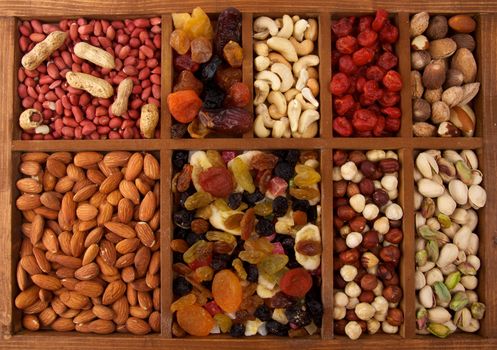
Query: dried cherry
[[296, 282], [217, 181]]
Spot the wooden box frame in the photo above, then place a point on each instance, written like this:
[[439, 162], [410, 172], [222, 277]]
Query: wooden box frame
[[12, 337]]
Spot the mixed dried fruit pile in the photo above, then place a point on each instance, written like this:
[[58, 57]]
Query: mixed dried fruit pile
[[443, 76], [365, 83], [71, 71], [285, 61], [90, 250], [368, 224], [447, 197], [247, 244], [208, 94]]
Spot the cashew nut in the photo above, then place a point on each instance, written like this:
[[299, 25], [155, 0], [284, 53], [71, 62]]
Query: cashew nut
[[305, 105], [283, 46], [313, 85], [261, 48], [290, 94], [302, 80], [306, 92], [285, 75], [262, 63], [308, 133], [303, 48], [25, 119], [304, 62], [263, 23], [306, 119], [299, 29], [287, 27], [280, 126], [270, 77], [277, 58], [262, 35], [277, 99], [295, 18], [261, 91], [313, 73], [311, 33], [262, 110], [287, 134], [294, 110], [259, 127], [275, 113]]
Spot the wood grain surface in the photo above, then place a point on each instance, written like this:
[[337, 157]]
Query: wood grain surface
[[405, 145]]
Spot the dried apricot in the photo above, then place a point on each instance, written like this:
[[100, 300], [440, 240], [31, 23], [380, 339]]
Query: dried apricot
[[195, 320], [296, 282], [184, 105], [227, 290], [183, 302]]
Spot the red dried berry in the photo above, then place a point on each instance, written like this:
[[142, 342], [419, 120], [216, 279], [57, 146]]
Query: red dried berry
[[375, 73], [238, 95], [363, 56], [380, 125], [339, 84], [372, 91], [217, 181], [364, 120], [296, 282], [365, 23], [343, 104], [389, 34], [390, 98], [346, 65], [346, 44], [392, 124], [342, 27], [392, 112], [367, 38], [387, 60], [360, 84], [392, 81], [342, 126], [380, 20]]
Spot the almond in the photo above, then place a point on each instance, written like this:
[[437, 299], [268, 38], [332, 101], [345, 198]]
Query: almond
[[28, 201], [142, 186], [128, 274], [106, 170], [106, 269], [108, 252], [85, 193], [50, 240], [111, 183], [145, 301], [125, 210], [128, 245], [37, 227], [64, 157], [64, 184], [48, 181], [87, 159], [121, 309], [138, 312], [154, 321], [62, 325], [104, 213], [147, 207], [95, 176], [56, 168], [101, 327], [151, 167], [137, 326], [84, 317], [75, 173], [51, 200], [46, 282], [69, 283], [103, 312], [41, 260], [74, 300], [145, 234], [47, 316], [142, 259], [90, 254], [86, 212], [116, 158], [152, 281], [87, 272], [98, 199], [134, 167], [129, 190], [38, 157], [114, 197], [22, 277], [141, 285], [90, 289], [30, 265], [121, 230], [67, 261], [114, 291], [464, 61], [28, 185], [462, 24], [58, 306], [46, 213], [77, 243], [94, 236], [67, 213], [65, 242], [154, 265], [37, 307], [30, 168], [64, 272], [27, 297]]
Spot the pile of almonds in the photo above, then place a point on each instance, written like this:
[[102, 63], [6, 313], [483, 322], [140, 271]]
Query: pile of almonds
[[89, 256], [443, 76]]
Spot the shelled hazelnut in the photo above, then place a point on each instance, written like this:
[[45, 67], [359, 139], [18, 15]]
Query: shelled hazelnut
[[443, 79], [366, 243], [447, 197]]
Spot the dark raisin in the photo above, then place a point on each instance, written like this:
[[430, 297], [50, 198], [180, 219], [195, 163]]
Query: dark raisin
[[288, 243], [219, 261], [315, 308], [280, 206], [252, 198], [293, 264], [264, 227], [178, 130], [252, 272], [312, 214], [181, 286], [277, 328], [300, 204], [263, 313], [192, 238], [298, 316], [177, 257], [213, 97], [292, 156], [234, 200], [209, 69], [281, 154], [237, 330], [180, 233], [284, 170], [183, 218], [180, 158], [183, 197], [279, 300]]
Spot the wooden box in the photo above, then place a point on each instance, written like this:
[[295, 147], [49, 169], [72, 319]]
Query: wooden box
[[484, 142]]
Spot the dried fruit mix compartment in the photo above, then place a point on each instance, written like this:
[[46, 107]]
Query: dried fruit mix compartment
[[404, 144]]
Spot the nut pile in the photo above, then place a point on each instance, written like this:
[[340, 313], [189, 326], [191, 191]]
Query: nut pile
[[367, 254], [208, 93], [448, 195], [247, 244], [72, 69], [89, 256], [443, 76], [365, 84], [286, 82]]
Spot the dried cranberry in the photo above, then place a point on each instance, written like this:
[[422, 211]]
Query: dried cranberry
[[387, 60], [346, 64], [392, 112], [363, 56], [342, 126], [342, 27], [380, 20], [367, 38], [392, 125], [360, 84], [372, 90], [365, 23], [339, 84], [364, 120], [390, 98], [392, 81], [343, 104], [375, 73], [380, 125], [347, 44], [389, 34]]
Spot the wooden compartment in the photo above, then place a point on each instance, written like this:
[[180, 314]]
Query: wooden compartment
[[13, 337]]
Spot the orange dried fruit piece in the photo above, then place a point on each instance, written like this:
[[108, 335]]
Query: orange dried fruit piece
[[179, 41], [195, 320], [296, 282], [198, 25], [227, 290], [184, 105], [183, 302], [233, 54]]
